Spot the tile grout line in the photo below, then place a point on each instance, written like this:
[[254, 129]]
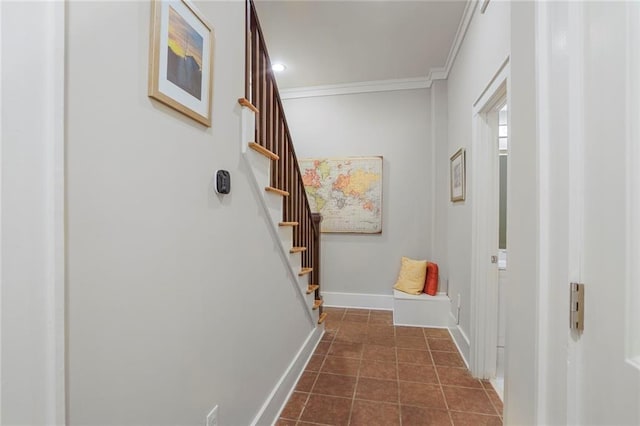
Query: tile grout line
[[491, 400], [398, 377], [355, 387], [444, 398], [304, 407]]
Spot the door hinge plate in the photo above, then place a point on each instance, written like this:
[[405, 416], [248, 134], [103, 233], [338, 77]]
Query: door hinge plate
[[576, 312]]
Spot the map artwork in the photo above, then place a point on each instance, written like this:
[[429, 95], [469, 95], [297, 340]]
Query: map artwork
[[346, 191]]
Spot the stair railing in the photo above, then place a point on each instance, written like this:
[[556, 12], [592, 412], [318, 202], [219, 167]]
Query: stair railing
[[272, 133]]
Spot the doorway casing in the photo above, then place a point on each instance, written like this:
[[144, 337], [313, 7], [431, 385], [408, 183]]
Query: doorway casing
[[484, 221]]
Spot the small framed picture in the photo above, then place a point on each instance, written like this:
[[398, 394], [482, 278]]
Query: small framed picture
[[458, 176], [181, 59]]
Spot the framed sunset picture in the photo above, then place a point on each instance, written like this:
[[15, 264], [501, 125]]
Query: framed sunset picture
[[181, 59]]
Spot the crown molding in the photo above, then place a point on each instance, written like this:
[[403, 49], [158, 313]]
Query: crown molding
[[463, 27], [439, 73], [360, 87], [436, 73]]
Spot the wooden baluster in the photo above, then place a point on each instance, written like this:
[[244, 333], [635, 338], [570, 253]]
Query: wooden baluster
[[247, 48], [306, 237], [316, 218], [255, 75], [287, 207], [281, 170], [289, 176], [270, 114], [260, 100], [276, 141]]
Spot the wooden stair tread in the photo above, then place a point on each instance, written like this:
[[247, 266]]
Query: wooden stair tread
[[276, 191], [245, 102], [264, 151], [323, 316], [288, 224], [297, 249], [312, 288], [305, 271], [317, 303]]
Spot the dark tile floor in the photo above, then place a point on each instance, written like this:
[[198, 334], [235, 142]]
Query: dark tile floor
[[366, 371]]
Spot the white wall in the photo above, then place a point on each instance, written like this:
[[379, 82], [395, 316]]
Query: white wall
[[395, 125], [31, 223], [484, 49], [521, 363], [440, 179], [177, 297]]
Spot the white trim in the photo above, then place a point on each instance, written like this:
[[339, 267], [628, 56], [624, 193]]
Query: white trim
[[483, 8], [543, 55], [577, 34], [56, 215], [359, 87], [44, 372], [435, 73], [358, 300], [484, 244], [1, 226], [439, 73], [632, 317], [463, 27], [280, 394], [460, 339]]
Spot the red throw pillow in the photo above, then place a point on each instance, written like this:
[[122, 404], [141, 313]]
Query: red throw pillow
[[431, 283]]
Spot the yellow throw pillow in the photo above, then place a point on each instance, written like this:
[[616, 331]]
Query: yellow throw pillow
[[412, 275]]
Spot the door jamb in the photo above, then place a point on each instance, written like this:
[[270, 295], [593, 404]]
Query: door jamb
[[484, 212]]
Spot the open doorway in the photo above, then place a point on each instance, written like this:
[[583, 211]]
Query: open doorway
[[503, 163], [489, 183]]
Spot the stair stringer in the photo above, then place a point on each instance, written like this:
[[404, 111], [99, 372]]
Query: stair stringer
[[260, 176]]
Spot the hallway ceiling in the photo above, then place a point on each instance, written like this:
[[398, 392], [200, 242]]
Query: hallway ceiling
[[337, 42]]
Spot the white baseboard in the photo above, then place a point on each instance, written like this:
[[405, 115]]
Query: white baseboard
[[280, 394], [358, 300], [460, 339]]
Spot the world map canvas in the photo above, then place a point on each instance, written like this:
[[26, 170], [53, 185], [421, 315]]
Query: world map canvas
[[346, 191]]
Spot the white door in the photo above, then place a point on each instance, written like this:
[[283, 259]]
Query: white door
[[604, 379], [588, 69]]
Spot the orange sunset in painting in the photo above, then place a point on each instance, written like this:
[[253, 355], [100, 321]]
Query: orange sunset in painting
[[184, 60]]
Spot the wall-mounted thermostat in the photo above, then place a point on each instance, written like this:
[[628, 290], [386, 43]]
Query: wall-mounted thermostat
[[223, 182]]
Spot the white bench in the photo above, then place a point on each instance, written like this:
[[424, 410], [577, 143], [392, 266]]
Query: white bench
[[421, 310]]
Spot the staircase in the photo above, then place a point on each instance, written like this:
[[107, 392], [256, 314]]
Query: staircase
[[268, 149]]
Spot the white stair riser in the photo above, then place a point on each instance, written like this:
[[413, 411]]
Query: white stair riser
[[261, 167], [304, 282], [310, 299], [295, 259], [286, 236], [274, 204]]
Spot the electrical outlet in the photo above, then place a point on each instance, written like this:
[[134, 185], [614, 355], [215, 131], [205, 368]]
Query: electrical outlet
[[212, 417]]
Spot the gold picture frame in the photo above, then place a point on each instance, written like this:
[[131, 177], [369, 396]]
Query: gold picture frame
[[181, 59], [458, 176]]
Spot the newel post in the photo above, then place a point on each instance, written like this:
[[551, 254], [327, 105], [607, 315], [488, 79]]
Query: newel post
[[316, 218]]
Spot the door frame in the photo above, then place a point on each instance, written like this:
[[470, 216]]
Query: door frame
[[484, 218], [32, 282]]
